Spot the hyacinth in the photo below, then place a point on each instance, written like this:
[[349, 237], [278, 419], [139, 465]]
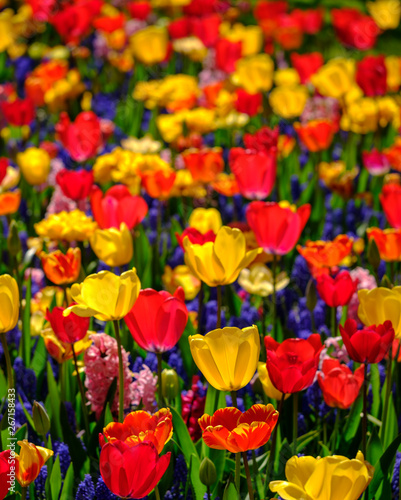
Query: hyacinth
[[101, 367], [144, 389], [364, 281]]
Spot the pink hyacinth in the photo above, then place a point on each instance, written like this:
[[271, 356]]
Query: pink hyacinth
[[364, 281], [144, 389], [101, 367]]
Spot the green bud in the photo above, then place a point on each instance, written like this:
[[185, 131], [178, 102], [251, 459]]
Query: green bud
[[386, 283], [170, 384], [13, 241], [41, 419], [373, 254], [207, 472], [311, 296]]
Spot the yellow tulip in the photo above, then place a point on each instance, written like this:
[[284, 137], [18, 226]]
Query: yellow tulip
[[258, 280], [9, 303], [386, 13], [68, 226], [219, 263], [205, 219], [35, 165], [250, 36], [381, 304], [170, 126], [286, 77], [328, 478], [62, 351], [181, 276], [150, 45], [288, 102], [255, 73], [268, 387], [227, 357], [105, 296], [30, 459], [113, 246], [393, 67], [335, 78], [361, 116]]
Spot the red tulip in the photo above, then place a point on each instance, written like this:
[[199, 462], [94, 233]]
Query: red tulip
[[371, 75], [336, 291], [375, 162], [179, 28], [116, 206], [18, 112], [306, 65], [195, 236], [132, 472], [204, 164], [339, 385], [255, 171], [369, 345], [277, 226], [292, 365], [206, 28], [77, 184], [5, 472], [265, 138], [390, 199], [249, 104], [3, 168], [139, 9], [354, 29], [158, 319], [81, 138], [200, 8], [316, 135], [311, 20], [227, 54], [69, 329]]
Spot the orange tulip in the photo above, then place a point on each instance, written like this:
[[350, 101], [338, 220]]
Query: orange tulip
[[321, 255], [10, 202], [204, 164], [317, 135], [388, 242], [62, 269], [158, 183], [140, 426], [230, 429], [225, 184]]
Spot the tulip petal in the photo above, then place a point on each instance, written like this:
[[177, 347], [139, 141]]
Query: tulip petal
[[289, 491]]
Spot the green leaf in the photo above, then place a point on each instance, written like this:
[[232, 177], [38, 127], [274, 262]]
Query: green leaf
[[230, 492], [375, 381], [382, 467], [391, 426], [25, 345], [55, 479], [374, 448], [188, 448], [183, 344], [353, 420], [54, 398], [77, 452], [68, 484]]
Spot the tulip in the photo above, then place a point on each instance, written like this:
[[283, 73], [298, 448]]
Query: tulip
[[258, 280], [9, 300], [68, 226], [335, 78], [158, 183], [371, 75], [68, 329], [321, 255], [113, 246], [316, 135], [155, 39], [227, 54], [250, 104], [336, 291], [205, 219], [105, 296], [268, 387], [140, 426], [10, 202], [288, 102], [5, 472], [277, 226], [76, 185], [18, 112], [388, 242], [29, 462], [255, 171], [390, 199], [35, 165], [116, 206], [292, 364], [254, 74], [204, 164], [132, 472], [219, 262], [195, 236], [369, 345], [325, 478], [157, 319], [354, 29], [339, 385], [62, 269], [306, 64], [181, 276], [227, 357], [230, 429], [385, 13], [379, 305], [375, 162], [62, 351]]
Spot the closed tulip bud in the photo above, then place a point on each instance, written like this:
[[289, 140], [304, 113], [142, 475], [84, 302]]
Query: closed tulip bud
[[311, 295], [41, 419], [35, 165], [385, 282], [170, 384], [207, 472], [13, 242], [373, 254]]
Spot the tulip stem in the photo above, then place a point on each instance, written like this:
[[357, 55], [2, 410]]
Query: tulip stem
[[159, 379], [82, 391], [274, 271], [248, 475], [8, 361], [120, 372], [157, 492], [218, 323], [334, 321], [295, 421], [270, 463], [238, 474], [335, 433], [24, 491], [263, 332], [200, 309], [388, 393], [365, 406]]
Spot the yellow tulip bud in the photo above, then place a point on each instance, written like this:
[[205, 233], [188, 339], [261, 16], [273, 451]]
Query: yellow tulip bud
[[113, 246], [150, 45], [35, 165], [288, 102], [381, 304], [205, 219], [9, 300], [30, 459], [255, 73]]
